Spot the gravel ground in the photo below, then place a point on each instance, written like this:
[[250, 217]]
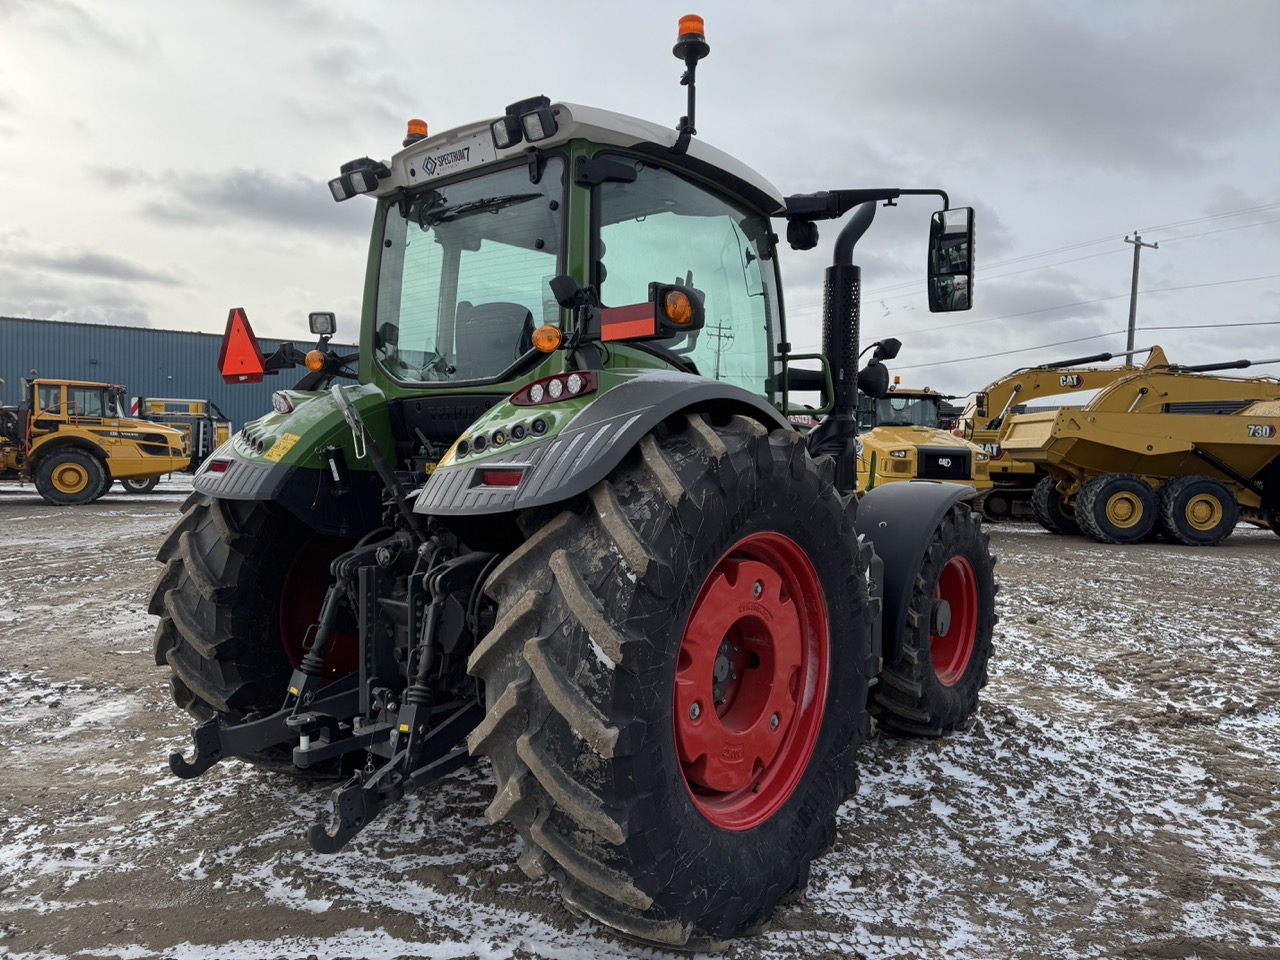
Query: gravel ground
[[1117, 796]]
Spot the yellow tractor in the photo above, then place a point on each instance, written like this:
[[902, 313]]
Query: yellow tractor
[[72, 439], [987, 413], [1168, 450]]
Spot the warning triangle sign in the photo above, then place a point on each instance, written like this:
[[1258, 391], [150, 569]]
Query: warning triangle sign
[[240, 360]]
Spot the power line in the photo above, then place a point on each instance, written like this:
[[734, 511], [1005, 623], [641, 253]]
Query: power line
[[1005, 353]]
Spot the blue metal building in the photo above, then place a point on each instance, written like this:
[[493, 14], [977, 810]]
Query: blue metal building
[[150, 363]]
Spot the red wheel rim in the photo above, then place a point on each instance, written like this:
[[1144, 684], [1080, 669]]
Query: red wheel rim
[[300, 600], [952, 649], [751, 681]]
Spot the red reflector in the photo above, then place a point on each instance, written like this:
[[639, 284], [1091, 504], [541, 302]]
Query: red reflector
[[219, 466], [240, 360], [623, 323], [500, 478]]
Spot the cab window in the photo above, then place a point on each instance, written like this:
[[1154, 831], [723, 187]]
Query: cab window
[[663, 228]]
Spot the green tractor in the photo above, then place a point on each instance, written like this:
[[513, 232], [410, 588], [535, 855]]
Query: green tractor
[[527, 523]]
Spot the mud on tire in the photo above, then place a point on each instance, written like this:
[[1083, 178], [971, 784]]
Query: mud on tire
[[593, 669], [933, 687]]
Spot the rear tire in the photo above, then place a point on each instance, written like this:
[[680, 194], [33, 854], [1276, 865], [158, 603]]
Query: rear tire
[[140, 485], [1198, 511], [642, 650], [233, 614], [70, 478], [1117, 508], [933, 687], [1049, 509]]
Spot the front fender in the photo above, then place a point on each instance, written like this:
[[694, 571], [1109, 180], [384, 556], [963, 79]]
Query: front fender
[[580, 447], [899, 520]]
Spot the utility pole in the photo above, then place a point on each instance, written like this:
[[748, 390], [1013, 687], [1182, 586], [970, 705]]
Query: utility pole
[[1133, 291], [723, 334]]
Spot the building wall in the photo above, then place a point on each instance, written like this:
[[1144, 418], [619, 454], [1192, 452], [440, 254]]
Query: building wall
[[150, 363]]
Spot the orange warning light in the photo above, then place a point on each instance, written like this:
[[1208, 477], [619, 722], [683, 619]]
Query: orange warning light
[[240, 359], [314, 361], [547, 338], [417, 130], [691, 23], [678, 307]]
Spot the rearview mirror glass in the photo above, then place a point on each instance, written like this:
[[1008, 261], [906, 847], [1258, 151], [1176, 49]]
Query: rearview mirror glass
[[951, 260]]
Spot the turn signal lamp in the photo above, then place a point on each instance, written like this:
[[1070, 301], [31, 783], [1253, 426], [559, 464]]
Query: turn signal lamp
[[314, 361], [678, 307], [416, 130], [547, 339]]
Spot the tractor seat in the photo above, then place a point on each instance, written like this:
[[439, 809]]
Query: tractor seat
[[489, 337]]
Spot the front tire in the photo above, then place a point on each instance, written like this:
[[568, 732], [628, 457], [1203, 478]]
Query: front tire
[[1050, 509], [242, 583], [933, 686], [70, 478], [140, 484], [677, 683]]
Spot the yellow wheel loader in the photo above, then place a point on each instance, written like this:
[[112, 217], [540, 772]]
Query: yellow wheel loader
[[1169, 450], [72, 439], [988, 412]]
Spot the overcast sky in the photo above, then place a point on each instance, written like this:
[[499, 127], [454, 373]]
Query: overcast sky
[[161, 162]]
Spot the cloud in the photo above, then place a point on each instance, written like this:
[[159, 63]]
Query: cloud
[[233, 197], [44, 296], [74, 26], [89, 264]]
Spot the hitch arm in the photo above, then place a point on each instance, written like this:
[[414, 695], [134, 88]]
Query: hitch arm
[[216, 741], [424, 759]]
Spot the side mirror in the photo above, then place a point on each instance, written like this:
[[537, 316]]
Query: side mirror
[[887, 349], [322, 324], [950, 281]]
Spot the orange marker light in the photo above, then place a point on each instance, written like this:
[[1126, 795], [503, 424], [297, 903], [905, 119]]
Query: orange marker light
[[677, 307], [691, 23], [315, 360], [548, 338], [417, 129]]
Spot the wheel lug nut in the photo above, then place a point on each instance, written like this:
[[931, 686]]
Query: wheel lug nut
[[774, 721], [695, 711], [757, 589]]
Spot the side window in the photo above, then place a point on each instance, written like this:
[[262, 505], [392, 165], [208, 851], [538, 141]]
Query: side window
[[85, 402], [664, 228], [50, 399]]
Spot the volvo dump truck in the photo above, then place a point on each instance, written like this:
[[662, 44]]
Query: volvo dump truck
[[987, 413], [72, 438], [901, 440], [1171, 450], [559, 519]]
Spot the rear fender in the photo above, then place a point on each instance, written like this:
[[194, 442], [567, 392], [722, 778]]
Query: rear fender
[[575, 455], [899, 520]]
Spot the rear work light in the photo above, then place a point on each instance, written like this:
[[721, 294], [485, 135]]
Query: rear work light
[[563, 386]]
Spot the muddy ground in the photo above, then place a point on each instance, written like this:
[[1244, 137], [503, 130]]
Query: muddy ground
[[1117, 796]]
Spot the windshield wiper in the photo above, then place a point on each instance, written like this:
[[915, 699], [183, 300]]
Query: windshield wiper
[[431, 215]]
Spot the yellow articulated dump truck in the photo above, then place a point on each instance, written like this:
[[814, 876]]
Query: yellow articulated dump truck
[[72, 439], [900, 439], [1170, 450], [987, 413]]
